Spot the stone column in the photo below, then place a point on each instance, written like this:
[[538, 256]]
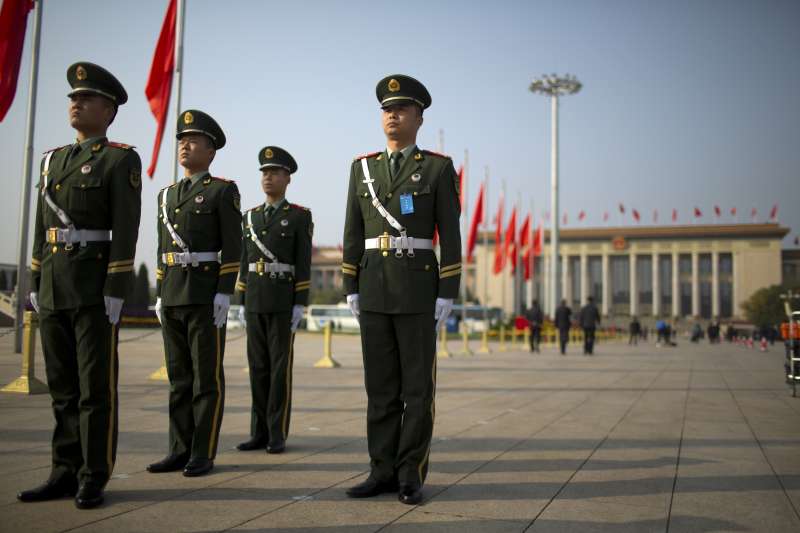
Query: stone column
[[584, 278], [695, 284], [714, 284], [656, 286], [606, 285], [566, 288], [633, 285], [676, 297]]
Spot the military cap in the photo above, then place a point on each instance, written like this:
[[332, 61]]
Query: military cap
[[86, 77], [402, 89], [194, 121], [275, 156]]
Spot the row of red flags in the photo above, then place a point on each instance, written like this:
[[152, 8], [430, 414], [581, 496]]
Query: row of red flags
[[696, 212]]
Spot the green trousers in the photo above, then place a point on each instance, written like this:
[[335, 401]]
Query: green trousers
[[194, 350], [81, 361], [400, 375], [270, 357]]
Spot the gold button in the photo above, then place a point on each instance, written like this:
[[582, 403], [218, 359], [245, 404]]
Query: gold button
[[174, 243], [389, 195], [205, 268], [58, 186], [83, 185], [176, 226], [198, 211], [99, 256], [427, 267], [260, 273], [385, 253], [263, 232], [283, 234], [55, 249], [177, 209], [415, 193]]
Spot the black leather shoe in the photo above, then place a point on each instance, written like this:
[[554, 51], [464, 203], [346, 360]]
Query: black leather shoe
[[52, 490], [89, 496], [256, 443], [277, 447], [170, 463], [197, 467], [410, 494], [371, 487]]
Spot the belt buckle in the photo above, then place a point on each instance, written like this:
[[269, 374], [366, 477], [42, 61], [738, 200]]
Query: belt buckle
[[260, 266], [384, 242], [52, 236], [170, 259]]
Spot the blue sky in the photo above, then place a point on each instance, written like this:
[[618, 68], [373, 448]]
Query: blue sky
[[684, 102]]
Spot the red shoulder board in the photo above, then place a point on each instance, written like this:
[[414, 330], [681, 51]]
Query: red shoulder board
[[298, 206], [222, 179], [438, 154], [55, 149], [120, 145], [371, 154]]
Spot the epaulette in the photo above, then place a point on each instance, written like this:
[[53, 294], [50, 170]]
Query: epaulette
[[298, 206], [364, 156], [438, 154], [55, 149], [120, 145], [222, 179]]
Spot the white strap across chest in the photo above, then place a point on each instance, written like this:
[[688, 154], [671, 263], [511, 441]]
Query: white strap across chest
[[260, 245]]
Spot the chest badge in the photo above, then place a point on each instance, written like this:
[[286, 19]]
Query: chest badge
[[85, 169], [284, 222], [416, 177], [199, 199]]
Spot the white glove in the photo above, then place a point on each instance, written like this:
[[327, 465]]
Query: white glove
[[352, 301], [113, 308], [35, 301], [443, 308], [298, 311], [159, 311], [222, 303]]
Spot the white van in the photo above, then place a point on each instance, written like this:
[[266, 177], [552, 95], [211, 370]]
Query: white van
[[341, 317]]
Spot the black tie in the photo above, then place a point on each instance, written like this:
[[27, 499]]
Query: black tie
[[73, 153], [270, 210], [395, 160], [185, 186]]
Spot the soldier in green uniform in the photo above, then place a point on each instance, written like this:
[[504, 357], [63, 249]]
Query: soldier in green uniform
[[87, 224], [396, 287], [275, 276], [199, 243]]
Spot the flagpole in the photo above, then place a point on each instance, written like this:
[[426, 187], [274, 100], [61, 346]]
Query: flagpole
[[177, 81], [464, 230], [486, 249], [518, 263], [27, 170], [503, 262], [531, 256]]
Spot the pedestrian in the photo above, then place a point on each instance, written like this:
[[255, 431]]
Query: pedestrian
[[635, 331], [84, 240], [535, 319], [589, 320], [199, 247], [563, 321], [275, 275], [397, 289]]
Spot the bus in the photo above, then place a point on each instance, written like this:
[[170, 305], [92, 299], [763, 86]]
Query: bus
[[339, 315]]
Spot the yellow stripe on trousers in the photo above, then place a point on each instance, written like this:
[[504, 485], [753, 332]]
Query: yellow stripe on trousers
[[433, 417], [285, 422], [213, 440], [112, 400]]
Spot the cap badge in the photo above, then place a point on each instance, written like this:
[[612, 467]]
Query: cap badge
[[188, 118], [416, 177], [85, 169], [394, 85], [268, 153], [80, 73], [418, 156], [198, 199], [284, 222]]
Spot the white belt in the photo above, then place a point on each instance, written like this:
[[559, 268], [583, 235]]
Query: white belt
[[273, 268], [188, 258], [72, 235], [390, 242]]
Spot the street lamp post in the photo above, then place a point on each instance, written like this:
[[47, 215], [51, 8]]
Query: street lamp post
[[554, 86]]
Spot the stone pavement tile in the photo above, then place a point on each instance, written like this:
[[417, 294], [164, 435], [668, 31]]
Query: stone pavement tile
[[589, 516], [420, 521]]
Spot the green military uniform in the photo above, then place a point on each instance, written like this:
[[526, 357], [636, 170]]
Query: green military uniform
[[97, 184], [204, 213], [272, 287], [398, 286]]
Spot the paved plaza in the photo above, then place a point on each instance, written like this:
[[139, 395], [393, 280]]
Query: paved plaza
[[636, 438]]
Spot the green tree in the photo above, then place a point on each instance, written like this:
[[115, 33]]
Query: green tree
[[765, 307]]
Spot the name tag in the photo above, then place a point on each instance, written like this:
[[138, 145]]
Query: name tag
[[406, 204]]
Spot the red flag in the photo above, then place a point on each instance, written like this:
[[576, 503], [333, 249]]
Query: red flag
[[499, 255], [159, 82], [717, 211], [477, 220], [773, 213], [655, 216], [733, 211], [524, 232], [435, 235], [538, 241], [13, 23], [581, 215], [622, 209], [697, 212], [605, 216], [636, 216], [527, 266], [461, 186], [753, 214], [510, 244], [674, 215]]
